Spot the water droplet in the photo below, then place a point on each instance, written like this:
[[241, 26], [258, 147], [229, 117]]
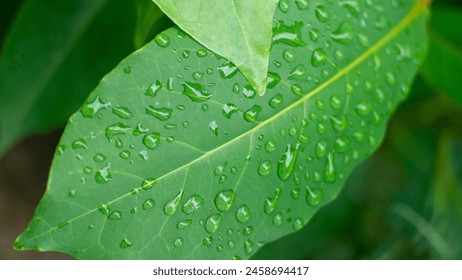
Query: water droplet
[[298, 73], [122, 112], [229, 109], [116, 129], [289, 55], [342, 144], [272, 80], [184, 224], [248, 247], [286, 165], [363, 39], [148, 183], [222, 179], [220, 168], [195, 92], [335, 102], [330, 174], [344, 34], [90, 108], [265, 168], [125, 243], [276, 101], [322, 14], [99, 158], [251, 115], [227, 70], [363, 108], [302, 4], [128, 70], [224, 200], [154, 88], [295, 193], [297, 89], [116, 215], [270, 146], [243, 214], [161, 114], [249, 92], [178, 242], [390, 78], [319, 57], [103, 175], [63, 224], [231, 244], [289, 35], [79, 144], [148, 204], [213, 223], [207, 241], [202, 53], [298, 224], [339, 124], [171, 207], [277, 220], [321, 149], [314, 196], [283, 6], [213, 126], [193, 204], [72, 193], [162, 40], [104, 209], [271, 203]]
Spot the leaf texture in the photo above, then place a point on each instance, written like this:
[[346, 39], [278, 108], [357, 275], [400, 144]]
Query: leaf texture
[[173, 156], [235, 29]]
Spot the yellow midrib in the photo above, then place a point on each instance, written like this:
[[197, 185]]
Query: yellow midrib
[[413, 14]]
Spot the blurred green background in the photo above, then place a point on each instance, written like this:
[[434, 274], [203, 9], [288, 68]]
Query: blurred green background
[[404, 202]]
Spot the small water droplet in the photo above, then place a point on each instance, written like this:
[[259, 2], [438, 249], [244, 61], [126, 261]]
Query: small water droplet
[[162, 40], [248, 247], [103, 175], [319, 57], [343, 34], [249, 92], [104, 209], [265, 168], [207, 241], [251, 115], [213, 126], [178, 242], [243, 214], [115, 129], [289, 35], [298, 224], [148, 204], [116, 215], [342, 144], [184, 224], [99, 158], [229, 109], [227, 70], [148, 183], [91, 108], [314, 196], [276, 101], [79, 144], [125, 243], [271, 203], [321, 148], [277, 220]]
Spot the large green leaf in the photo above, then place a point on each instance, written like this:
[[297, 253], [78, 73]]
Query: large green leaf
[[174, 155], [237, 30], [55, 54], [444, 61]]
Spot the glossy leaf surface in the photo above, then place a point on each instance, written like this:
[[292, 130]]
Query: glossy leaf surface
[[175, 156], [237, 30], [52, 59]]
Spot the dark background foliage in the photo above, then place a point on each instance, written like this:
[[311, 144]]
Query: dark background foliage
[[404, 202]]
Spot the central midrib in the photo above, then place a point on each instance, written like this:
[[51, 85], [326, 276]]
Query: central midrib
[[413, 14]]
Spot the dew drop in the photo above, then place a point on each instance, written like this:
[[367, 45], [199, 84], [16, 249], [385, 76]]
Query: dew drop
[[122, 112], [91, 108], [224, 200], [178, 242], [213, 223], [193, 204], [265, 168], [289, 35], [79, 144], [276, 101], [270, 145], [321, 149], [342, 144], [298, 224], [116, 129], [344, 34], [171, 206], [116, 215], [148, 204], [330, 174], [148, 183], [227, 70], [103, 175], [213, 126], [207, 241], [277, 220], [195, 92], [125, 243], [243, 214], [162, 40], [249, 92], [318, 58], [248, 247], [286, 165], [104, 209], [251, 115], [184, 224], [322, 14], [161, 114], [99, 158], [314, 196], [271, 203]]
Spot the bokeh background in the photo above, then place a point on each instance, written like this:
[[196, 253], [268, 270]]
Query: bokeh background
[[404, 202]]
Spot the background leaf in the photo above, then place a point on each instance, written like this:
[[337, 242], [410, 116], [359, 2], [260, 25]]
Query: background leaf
[[444, 61], [52, 59], [149, 22], [170, 163], [237, 30]]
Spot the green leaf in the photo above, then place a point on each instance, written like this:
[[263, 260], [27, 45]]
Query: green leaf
[[52, 59], [169, 158], [150, 20], [444, 61], [237, 30]]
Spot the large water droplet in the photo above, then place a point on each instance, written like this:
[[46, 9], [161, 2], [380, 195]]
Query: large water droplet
[[330, 174], [343, 34], [289, 35], [314, 196], [272, 80], [104, 209], [154, 88], [162, 40], [276, 101], [224, 200], [298, 73], [271, 203], [227, 70], [229, 109], [243, 214], [286, 165], [171, 206], [115, 129], [151, 140], [195, 92], [122, 112], [90, 108], [319, 57], [161, 114], [213, 223], [193, 204]]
